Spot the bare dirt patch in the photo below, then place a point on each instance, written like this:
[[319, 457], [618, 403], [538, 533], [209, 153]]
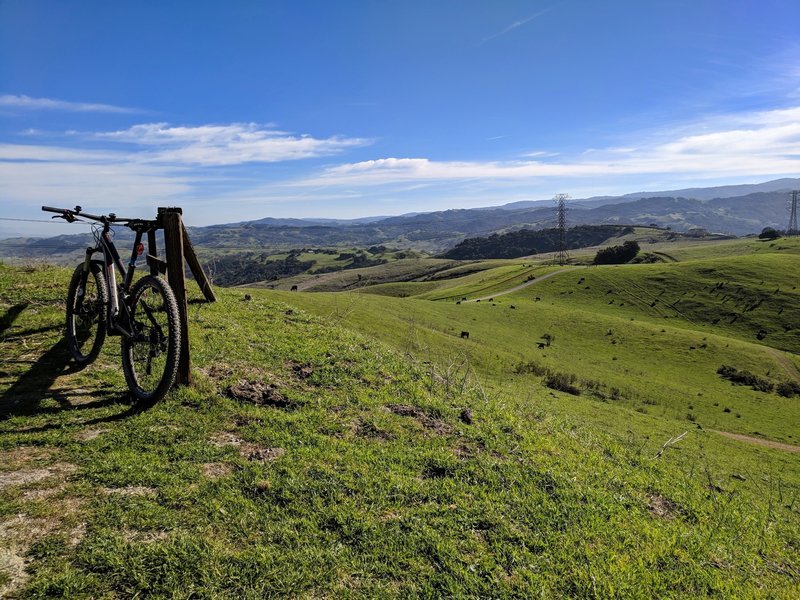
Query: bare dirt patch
[[226, 438], [758, 441], [22, 456], [26, 476], [16, 537], [428, 421], [662, 507], [262, 394], [20, 532], [302, 370], [42, 493], [218, 371], [249, 450], [216, 470], [368, 429], [261, 453]]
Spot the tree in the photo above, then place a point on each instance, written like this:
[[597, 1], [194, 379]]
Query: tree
[[617, 255], [768, 233]]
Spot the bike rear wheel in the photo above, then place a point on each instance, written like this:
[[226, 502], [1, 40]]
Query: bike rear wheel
[[150, 356], [86, 313]]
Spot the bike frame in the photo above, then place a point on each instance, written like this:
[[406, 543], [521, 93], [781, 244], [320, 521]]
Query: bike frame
[[117, 310]]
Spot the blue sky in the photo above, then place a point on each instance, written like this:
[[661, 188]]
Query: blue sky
[[241, 110]]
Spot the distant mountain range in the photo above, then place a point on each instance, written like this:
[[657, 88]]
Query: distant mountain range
[[733, 209]]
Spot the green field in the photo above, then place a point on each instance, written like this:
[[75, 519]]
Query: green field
[[406, 461]]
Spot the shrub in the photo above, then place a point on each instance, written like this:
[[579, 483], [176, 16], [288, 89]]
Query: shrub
[[744, 377], [530, 367], [768, 233], [563, 382], [617, 255], [787, 389]]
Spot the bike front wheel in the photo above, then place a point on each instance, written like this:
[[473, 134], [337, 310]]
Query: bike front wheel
[[150, 355], [86, 313]]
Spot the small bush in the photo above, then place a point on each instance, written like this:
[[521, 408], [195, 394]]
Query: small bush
[[563, 382], [744, 377], [530, 367], [787, 389]]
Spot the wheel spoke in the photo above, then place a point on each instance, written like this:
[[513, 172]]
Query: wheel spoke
[[151, 328], [85, 313]]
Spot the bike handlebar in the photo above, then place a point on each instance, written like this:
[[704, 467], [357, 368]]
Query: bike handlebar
[[70, 214]]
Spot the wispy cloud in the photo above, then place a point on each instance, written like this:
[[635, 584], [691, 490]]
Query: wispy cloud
[[151, 164], [156, 163], [236, 143], [28, 103], [756, 144], [517, 24]]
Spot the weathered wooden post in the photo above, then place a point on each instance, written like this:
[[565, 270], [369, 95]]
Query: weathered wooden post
[[197, 270], [178, 248], [170, 219]]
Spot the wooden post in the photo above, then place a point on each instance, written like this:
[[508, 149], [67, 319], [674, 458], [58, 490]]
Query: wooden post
[[173, 242], [197, 270]]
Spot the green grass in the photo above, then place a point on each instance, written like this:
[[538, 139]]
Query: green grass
[[404, 269], [741, 297], [542, 493], [657, 371]]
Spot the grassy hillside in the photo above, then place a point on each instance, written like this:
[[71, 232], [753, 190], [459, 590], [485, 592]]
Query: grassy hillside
[[350, 444]]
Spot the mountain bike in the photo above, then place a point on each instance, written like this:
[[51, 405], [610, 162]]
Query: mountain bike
[[144, 314]]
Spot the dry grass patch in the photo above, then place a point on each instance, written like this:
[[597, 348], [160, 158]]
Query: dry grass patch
[[20, 532], [90, 433], [216, 470], [131, 490], [26, 476]]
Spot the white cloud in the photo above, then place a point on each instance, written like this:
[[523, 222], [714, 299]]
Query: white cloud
[[231, 144], [28, 103], [157, 164], [148, 165], [40, 153], [756, 144]]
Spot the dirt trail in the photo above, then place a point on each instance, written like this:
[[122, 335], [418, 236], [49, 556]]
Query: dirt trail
[[785, 362], [758, 441], [524, 285]]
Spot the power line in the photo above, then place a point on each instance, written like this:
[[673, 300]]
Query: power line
[[32, 220]]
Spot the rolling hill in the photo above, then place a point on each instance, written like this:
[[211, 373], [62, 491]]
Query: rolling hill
[[580, 442], [747, 211]]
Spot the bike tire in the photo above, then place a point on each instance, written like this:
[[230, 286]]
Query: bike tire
[[155, 325], [86, 313]]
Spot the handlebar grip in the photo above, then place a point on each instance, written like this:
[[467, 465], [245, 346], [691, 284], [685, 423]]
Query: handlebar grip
[[54, 210]]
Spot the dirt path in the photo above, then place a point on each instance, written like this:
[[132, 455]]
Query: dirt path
[[785, 362], [758, 441], [524, 285]]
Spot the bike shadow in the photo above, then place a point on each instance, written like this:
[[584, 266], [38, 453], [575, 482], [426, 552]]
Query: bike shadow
[[26, 394]]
